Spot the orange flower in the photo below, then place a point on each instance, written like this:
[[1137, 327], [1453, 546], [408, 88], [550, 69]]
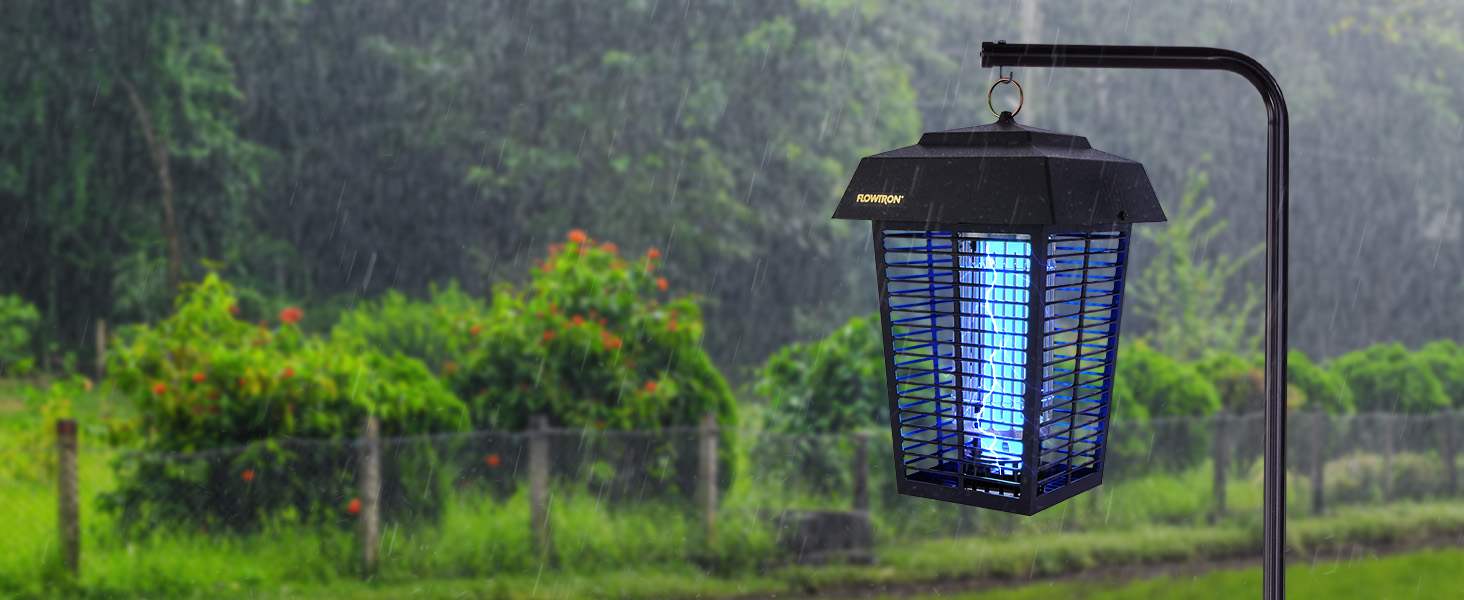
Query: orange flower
[[291, 315], [198, 377], [548, 267], [548, 336], [159, 387], [600, 424], [602, 321], [577, 320], [653, 254], [671, 326], [288, 373], [593, 314], [577, 236], [354, 507], [492, 460], [555, 249], [661, 283], [610, 247], [241, 382], [475, 330], [234, 309], [650, 386], [247, 475], [449, 367]]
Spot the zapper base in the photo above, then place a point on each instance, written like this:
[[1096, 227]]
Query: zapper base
[[995, 495]]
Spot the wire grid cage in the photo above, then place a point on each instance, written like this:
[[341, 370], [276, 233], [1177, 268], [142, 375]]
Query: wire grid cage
[[1000, 354]]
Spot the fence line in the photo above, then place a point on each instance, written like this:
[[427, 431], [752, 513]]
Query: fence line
[[803, 482]]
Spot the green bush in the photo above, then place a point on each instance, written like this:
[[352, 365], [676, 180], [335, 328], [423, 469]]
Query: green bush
[[1386, 378], [1445, 359], [1319, 387], [18, 321], [834, 384], [202, 380], [1359, 478], [1240, 385], [437, 331], [1152, 385]]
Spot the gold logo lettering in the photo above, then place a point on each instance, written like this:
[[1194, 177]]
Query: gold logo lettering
[[879, 198]]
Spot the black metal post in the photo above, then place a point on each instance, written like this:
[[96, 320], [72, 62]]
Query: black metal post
[[1002, 54]]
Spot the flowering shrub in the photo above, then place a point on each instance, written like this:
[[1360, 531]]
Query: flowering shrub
[[590, 341], [593, 341], [202, 379]]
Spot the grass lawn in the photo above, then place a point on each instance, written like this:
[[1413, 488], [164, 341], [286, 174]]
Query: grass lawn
[[1430, 574]]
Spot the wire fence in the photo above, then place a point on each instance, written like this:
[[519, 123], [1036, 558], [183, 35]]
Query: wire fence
[[553, 496]]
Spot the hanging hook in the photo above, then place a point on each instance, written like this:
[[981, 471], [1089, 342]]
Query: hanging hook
[[1021, 96]]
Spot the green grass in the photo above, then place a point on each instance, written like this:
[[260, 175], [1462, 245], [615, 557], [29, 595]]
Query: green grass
[[1430, 574]]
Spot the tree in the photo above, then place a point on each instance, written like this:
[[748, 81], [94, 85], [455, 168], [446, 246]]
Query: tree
[[832, 385], [1181, 295], [117, 137]]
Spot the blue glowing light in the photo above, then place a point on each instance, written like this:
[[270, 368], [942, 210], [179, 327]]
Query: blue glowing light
[[994, 277]]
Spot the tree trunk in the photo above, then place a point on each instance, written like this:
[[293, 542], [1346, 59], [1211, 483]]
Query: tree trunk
[[158, 151]]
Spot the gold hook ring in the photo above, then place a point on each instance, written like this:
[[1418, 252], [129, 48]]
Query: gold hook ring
[[1021, 97]]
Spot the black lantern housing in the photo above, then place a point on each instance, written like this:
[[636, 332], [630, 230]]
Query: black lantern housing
[[1000, 253]]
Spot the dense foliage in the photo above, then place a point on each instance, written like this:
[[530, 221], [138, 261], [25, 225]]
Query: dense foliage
[[203, 379], [834, 384]]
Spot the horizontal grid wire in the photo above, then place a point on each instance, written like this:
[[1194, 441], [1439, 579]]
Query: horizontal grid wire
[[1080, 334], [958, 306]]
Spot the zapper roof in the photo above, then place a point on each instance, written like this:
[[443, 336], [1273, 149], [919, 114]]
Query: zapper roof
[[1000, 174]]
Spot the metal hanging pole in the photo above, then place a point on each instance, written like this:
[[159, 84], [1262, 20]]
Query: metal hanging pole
[[1002, 54]]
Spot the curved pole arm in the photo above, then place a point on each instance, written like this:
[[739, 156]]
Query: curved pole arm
[[1001, 54]]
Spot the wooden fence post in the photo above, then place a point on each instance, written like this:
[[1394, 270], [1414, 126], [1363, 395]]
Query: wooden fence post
[[539, 484], [1451, 474], [370, 482], [861, 472], [101, 369], [1220, 456], [1319, 434], [706, 482], [1386, 421], [66, 493]]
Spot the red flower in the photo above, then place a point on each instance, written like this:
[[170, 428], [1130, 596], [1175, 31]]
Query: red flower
[[449, 367], [610, 247], [234, 309], [492, 460], [548, 267], [288, 373], [671, 326], [291, 315], [213, 410], [602, 321], [548, 336], [578, 320], [247, 475], [354, 507], [241, 382], [661, 283], [653, 254], [159, 387], [198, 377], [593, 314], [650, 386], [475, 330], [577, 236]]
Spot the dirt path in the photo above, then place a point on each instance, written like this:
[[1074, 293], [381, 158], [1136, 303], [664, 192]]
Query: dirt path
[[1322, 558]]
